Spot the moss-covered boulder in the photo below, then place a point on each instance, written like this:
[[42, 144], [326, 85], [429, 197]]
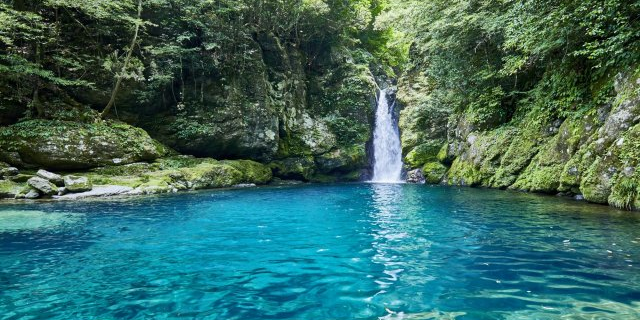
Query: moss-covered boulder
[[9, 189], [77, 184], [424, 153], [294, 168], [44, 186], [64, 145], [434, 172], [342, 161], [252, 172]]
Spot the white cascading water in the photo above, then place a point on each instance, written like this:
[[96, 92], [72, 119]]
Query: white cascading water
[[387, 151]]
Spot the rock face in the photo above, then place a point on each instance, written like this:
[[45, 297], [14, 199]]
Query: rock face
[[63, 145], [595, 155], [43, 186], [77, 184], [280, 110]]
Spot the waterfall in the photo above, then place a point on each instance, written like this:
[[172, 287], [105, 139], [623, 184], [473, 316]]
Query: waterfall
[[387, 152]]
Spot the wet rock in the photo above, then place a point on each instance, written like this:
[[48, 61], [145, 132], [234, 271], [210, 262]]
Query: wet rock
[[75, 184], [44, 186], [32, 194], [98, 192], [52, 177], [415, 176]]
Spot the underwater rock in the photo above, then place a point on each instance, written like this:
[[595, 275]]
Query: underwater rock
[[20, 221]]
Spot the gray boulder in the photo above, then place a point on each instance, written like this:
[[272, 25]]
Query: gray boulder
[[415, 176], [75, 184], [43, 186], [32, 194], [52, 177], [9, 172]]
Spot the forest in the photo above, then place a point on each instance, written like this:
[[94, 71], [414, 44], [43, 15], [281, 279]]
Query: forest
[[292, 84]]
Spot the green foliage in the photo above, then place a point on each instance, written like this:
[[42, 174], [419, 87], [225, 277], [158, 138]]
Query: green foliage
[[511, 55], [54, 46]]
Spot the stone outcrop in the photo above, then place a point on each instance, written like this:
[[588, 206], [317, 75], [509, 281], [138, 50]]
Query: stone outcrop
[[594, 155], [65, 145]]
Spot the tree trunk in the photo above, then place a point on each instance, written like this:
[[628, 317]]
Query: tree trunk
[[114, 93]]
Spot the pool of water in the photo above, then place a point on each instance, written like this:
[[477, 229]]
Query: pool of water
[[361, 251]]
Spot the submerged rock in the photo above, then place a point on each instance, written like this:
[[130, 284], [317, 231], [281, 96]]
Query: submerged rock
[[44, 186], [18, 220]]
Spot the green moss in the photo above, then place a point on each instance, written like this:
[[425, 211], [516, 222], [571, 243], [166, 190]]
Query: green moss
[[294, 168], [434, 172], [252, 172], [625, 193], [66, 145], [596, 184], [464, 173], [212, 175], [133, 169], [424, 153], [540, 179], [443, 155], [8, 189], [341, 161]]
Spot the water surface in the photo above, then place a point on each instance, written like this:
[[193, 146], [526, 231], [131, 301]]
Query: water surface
[[362, 251]]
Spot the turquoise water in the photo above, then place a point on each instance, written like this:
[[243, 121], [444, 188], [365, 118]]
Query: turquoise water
[[321, 252]]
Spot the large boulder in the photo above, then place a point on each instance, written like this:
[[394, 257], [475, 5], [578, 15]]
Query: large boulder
[[63, 145], [77, 184], [52, 177], [43, 186]]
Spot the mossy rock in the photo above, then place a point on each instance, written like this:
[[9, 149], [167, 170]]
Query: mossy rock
[[9, 189], [342, 160], [434, 172], [540, 179], [294, 168], [424, 153], [252, 172], [65, 145], [444, 156], [625, 193], [212, 175], [464, 173]]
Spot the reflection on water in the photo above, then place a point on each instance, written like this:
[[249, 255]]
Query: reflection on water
[[370, 251]]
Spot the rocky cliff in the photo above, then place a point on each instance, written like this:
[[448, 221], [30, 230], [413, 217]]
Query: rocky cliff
[[591, 154]]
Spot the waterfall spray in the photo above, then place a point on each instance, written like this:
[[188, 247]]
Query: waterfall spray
[[387, 150]]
